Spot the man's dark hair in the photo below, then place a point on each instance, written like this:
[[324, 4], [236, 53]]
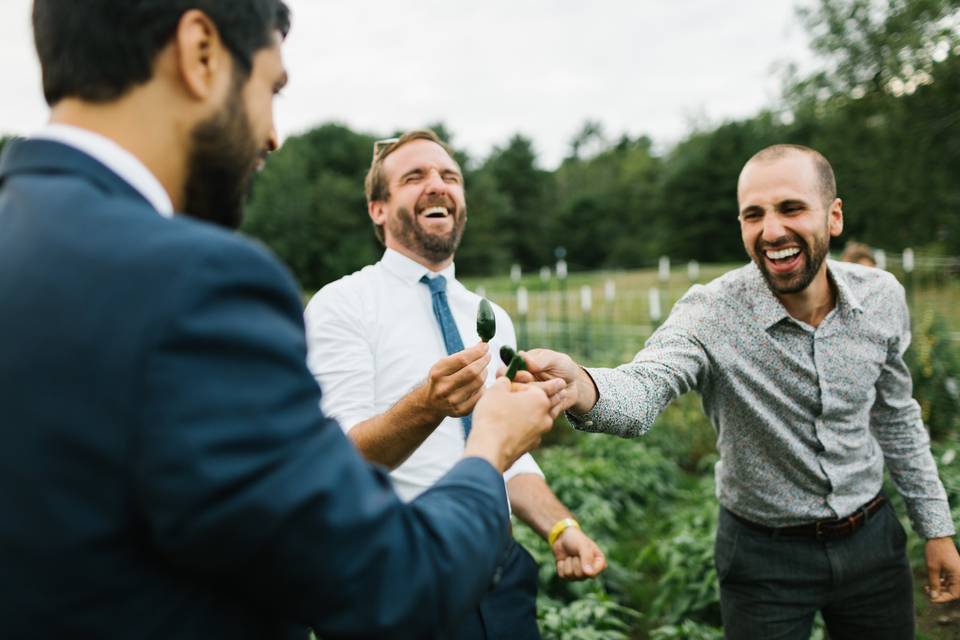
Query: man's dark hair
[[96, 50]]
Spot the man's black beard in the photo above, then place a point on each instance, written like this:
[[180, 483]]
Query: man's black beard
[[812, 261], [435, 248], [222, 158]]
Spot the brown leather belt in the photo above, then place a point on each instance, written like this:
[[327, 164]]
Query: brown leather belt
[[822, 529]]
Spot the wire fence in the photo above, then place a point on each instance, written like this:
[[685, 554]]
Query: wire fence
[[604, 317]]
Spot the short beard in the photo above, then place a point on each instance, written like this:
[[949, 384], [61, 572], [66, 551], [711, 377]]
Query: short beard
[[813, 259], [223, 156], [435, 248]]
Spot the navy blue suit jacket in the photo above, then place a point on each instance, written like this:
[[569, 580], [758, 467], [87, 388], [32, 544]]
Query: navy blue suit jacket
[[165, 470]]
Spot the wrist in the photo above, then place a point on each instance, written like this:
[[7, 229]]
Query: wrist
[[559, 528], [425, 407], [587, 393], [477, 447]]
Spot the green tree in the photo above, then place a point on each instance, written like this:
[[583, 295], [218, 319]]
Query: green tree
[[308, 205], [525, 205]]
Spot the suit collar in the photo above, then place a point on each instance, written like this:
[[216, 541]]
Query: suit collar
[[114, 157], [23, 156]]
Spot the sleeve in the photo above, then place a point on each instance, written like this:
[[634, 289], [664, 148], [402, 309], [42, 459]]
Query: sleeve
[[241, 478], [672, 362], [524, 464], [896, 422], [339, 355]]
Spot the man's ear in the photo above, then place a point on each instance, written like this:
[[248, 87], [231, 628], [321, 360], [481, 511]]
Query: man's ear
[[835, 217], [378, 212], [202, 59]]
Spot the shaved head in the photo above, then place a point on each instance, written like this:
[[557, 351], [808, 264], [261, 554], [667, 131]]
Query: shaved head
[[827, 183]]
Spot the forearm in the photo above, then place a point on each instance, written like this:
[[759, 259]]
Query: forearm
[[535, 504], [389, 438], [913, 471], [629, 399]]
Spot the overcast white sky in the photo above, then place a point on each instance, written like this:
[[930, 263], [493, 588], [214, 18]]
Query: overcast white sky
[[493, 68]]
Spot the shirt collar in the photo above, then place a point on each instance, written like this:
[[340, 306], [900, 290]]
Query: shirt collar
[[114, 157], [846, 298], [768, 308], [411, 271]]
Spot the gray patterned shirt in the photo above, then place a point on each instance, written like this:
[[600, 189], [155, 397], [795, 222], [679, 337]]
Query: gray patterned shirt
[[805, 416]]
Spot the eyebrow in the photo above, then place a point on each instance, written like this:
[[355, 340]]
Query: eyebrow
[[791, 202]]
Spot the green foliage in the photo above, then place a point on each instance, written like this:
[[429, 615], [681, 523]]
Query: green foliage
[[882, 107], [308, 205], [593, 617], [935, 366]]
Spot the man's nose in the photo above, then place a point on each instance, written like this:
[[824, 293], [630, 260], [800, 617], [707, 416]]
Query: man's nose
[[773, 229], [435, 183], [273, 141]]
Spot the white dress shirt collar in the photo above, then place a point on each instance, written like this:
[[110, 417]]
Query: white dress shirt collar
[[114, 157], [410, 270]]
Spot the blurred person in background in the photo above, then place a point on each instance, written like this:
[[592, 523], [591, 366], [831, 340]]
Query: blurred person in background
[[858, 253]]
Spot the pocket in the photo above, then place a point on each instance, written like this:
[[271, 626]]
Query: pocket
[[899, 533], [725, 544]]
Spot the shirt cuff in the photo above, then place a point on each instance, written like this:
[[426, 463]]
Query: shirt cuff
[[604, 411], [932, 519]]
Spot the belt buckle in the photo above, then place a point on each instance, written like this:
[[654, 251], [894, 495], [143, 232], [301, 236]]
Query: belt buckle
[[818, 530]]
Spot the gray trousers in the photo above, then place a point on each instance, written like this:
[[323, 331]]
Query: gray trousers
[[772, 586]]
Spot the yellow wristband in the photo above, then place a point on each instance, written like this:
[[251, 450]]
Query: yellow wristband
[[560, 527]]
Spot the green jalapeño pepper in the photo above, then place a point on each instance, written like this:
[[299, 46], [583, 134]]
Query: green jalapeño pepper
[[486, 321], [516, 364]]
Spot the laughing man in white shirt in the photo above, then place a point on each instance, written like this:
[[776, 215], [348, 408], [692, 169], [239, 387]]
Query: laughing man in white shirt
[[377, 348]]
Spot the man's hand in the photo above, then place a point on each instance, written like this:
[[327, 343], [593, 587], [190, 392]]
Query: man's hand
[[579, 394], [943, 570], [509, 420], [578, 557], [455, 383]]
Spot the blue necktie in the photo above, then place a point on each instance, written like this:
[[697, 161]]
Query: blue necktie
[[451, 336]]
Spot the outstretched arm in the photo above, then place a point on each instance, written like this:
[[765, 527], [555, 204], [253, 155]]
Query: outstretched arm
[[240, 478]]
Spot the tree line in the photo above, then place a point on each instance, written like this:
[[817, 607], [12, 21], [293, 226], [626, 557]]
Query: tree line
[[883, 105]]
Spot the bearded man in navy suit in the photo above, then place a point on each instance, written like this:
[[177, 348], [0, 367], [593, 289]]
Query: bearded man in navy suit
[[165, 469]]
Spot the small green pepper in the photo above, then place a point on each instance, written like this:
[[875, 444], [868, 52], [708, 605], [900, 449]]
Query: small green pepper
[[506, 354], [516, 364], [486, 321]]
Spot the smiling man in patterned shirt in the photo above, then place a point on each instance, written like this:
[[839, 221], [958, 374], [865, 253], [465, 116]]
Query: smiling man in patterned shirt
[[799, 361]]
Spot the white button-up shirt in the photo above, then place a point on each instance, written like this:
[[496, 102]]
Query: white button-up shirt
[[373, 338]]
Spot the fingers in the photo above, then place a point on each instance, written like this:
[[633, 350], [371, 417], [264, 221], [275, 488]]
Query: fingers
[[595, 564], [522, 376], [460, 384], [933, 581], [943, 588], [457, 361], [538, 360], [464, 405]]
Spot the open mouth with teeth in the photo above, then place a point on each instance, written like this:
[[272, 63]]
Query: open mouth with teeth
[[783, 260], [435, 213]]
